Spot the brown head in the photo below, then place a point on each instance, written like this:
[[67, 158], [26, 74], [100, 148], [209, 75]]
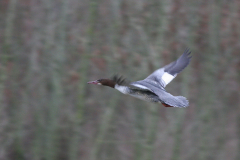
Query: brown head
[[104, 82]]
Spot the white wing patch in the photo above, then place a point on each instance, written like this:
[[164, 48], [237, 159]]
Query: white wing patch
[[123, 89], [167, 78], [140, 86]]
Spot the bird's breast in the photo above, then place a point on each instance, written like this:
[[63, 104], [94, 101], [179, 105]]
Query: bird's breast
[[144, 95]]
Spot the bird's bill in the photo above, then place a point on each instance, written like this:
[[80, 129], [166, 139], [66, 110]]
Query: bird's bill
[[93, 82]]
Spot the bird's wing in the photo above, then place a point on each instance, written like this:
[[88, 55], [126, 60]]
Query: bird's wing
[[121, 81], [167, 73]]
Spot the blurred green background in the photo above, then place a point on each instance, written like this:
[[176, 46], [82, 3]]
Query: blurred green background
[[49, 49]]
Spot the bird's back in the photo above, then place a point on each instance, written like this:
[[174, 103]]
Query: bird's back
[[162, 96]]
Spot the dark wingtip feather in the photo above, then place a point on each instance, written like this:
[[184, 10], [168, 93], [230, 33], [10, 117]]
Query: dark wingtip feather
[[187, 52], [180, 63]]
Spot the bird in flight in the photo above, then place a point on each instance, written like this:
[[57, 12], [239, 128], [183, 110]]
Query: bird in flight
[[152, 88]]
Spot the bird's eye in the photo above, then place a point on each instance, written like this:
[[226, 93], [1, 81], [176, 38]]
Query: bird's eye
[[99, 80]]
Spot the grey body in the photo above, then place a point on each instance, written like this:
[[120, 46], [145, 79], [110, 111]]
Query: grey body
[[161, 95], [153, 87]]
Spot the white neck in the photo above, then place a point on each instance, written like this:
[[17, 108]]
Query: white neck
[[123, 89]]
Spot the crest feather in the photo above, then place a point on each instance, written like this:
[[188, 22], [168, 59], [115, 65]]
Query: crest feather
[[120, 80]]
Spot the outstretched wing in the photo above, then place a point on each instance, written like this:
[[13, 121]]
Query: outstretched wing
[[178, 65], [166, 74]]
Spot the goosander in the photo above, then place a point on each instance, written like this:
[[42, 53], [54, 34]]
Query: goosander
[[152, 88]]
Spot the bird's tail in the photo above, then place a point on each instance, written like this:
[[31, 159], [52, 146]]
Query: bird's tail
[[183, 102], [172, 101], [176, 101]]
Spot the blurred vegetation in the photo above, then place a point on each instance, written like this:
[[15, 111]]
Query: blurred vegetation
[[49, 49]]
